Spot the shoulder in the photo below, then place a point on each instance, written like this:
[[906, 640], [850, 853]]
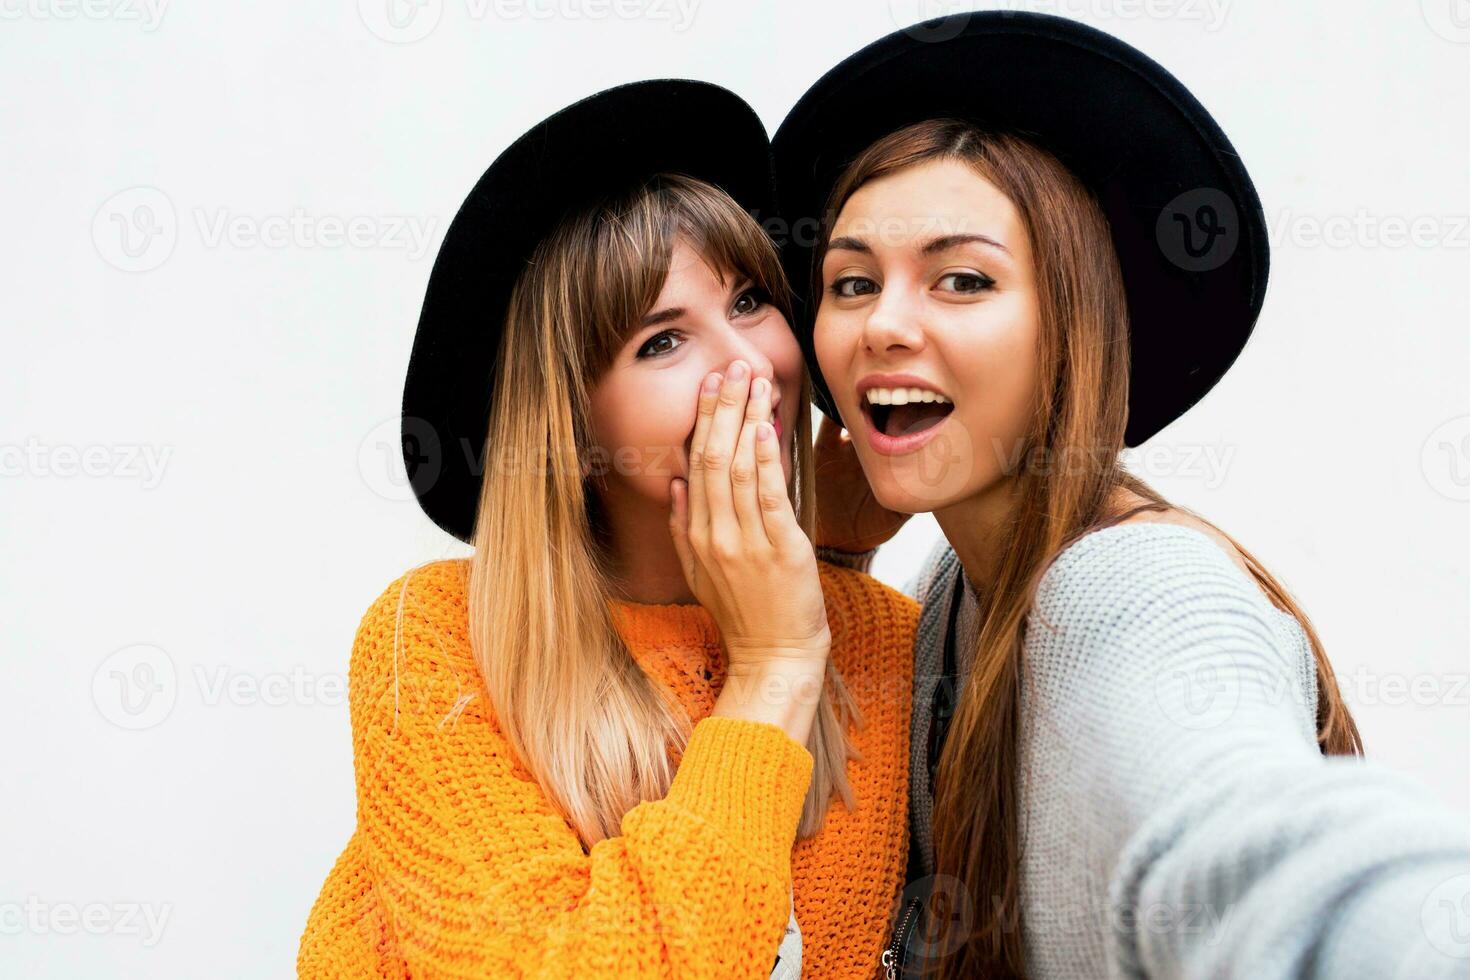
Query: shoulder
[[1142, 562], [1177, 518], [414, 633], [1150, 589], [429, 595], [866, 615], [1149, 644]]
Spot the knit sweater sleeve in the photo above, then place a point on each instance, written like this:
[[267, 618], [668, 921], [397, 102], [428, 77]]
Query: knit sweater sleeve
[[347, 936], [1181, 808], [476, 874]]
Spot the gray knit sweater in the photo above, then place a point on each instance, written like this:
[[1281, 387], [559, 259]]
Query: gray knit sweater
[[1177, 818]]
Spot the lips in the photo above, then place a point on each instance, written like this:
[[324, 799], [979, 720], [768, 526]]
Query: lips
[[897, 441], [898, 418]]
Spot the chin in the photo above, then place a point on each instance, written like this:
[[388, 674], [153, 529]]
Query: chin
[[888, 492], [916, 483]]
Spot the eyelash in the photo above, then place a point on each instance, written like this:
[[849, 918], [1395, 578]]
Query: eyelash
[[761, 296], [986, 283]]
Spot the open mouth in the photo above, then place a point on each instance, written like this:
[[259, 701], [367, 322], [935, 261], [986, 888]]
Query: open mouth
[[907, 418]]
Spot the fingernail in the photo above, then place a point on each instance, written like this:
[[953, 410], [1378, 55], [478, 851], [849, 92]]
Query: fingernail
[[764, 431], [759, 388], [737, 371], [711, 384]]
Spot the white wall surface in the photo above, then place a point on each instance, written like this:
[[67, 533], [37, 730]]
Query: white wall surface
[[194, 413]]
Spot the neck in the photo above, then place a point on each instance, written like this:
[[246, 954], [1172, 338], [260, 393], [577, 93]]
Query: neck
[[975, 529], [645, 566]]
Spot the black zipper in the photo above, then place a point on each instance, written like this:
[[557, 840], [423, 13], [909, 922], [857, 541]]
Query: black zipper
[[892, 963]]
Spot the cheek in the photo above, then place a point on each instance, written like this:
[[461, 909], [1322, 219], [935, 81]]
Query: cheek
[[777, 343], [786, 359], [643, 428], [997, 373], [1019, 351], [833, 342]]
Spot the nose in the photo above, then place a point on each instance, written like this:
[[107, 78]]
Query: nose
[[739, 348], [894, 323]]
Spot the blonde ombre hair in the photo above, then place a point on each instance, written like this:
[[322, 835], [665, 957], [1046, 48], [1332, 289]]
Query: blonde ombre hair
[[592, 728]]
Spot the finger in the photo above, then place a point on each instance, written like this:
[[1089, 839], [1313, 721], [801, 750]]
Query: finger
[[709, 394], [775, 502], [743, 487], [719, 450], [679, 527]]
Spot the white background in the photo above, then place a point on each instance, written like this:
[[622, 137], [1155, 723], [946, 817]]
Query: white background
[[262, 378]]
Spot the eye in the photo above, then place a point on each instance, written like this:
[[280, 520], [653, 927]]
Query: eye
[[968, 282], [850, 286], [654, 347], [751, 300]]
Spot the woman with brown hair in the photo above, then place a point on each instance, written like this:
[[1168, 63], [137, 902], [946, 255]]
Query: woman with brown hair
[[608, 742], [1035, 248]]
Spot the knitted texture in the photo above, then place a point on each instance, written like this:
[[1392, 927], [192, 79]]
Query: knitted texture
[[460, 867], [1177, 817], [941, 567]]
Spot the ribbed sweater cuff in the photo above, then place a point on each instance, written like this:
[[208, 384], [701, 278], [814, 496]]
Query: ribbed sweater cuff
[[856, 560], [749, 779]]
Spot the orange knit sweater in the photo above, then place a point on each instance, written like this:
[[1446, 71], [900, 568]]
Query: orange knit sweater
[[460, 867]]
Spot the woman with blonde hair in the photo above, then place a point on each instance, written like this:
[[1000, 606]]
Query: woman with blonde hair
[[1130, 757], [641, 731]]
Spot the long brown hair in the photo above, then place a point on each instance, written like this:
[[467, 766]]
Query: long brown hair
[[1081, 414], [590, 726]]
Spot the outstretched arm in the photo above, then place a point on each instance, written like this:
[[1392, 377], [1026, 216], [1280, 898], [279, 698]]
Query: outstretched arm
[[1174, 709]]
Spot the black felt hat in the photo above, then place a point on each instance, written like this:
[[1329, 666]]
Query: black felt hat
[[603, 145], [1185, 218]]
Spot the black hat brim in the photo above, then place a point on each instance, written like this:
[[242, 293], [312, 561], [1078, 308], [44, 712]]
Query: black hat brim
[[1185, 218], [602, 145]]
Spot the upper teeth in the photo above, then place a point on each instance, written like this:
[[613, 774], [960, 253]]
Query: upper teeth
[[902, 396]]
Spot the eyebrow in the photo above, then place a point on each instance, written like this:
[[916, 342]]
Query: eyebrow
[[663, 316], [940, 244]]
